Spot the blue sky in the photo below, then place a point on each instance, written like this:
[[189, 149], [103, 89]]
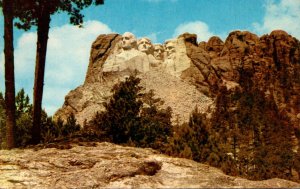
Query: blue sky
[[69, 46]]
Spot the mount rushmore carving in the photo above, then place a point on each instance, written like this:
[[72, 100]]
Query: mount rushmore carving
[[142, 55], [185, 73]]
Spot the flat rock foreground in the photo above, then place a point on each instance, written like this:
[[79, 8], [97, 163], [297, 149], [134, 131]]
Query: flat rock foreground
[[96, 165]]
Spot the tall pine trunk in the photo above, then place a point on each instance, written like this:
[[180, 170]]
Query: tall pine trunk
[[9, 72], [42, 40]]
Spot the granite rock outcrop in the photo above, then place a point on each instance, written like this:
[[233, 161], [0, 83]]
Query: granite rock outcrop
[[271, 62], [114, 57], [106, 165], [186, 74]]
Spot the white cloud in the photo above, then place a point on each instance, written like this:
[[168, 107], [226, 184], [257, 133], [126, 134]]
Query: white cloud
[[283, 15], [152, 37], [25, 55], [66, 61], [198, 27]]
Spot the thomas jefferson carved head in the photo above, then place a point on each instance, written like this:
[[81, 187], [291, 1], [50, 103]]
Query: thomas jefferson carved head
[[158, 52]]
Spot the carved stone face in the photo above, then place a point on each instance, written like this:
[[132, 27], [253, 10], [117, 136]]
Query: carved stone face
[[170, 50], [158, 52], [128, 41], [144, 45]]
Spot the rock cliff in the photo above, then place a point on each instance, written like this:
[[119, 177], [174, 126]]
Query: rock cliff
[[185, 73], [114, 57], [272, 63], [105, 165]]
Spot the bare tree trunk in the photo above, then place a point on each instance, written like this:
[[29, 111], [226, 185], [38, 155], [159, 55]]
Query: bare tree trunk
[[9, 72], [42, 40]]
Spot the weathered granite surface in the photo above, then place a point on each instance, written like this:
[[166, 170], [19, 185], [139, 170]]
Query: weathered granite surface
[[106, 165]]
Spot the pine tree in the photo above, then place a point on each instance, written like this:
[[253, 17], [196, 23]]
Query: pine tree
[[265, 137], [224, 134], [70, 126], [22, 103], [199, 138], [155, 123], [23, 119], [191, 140], [134, 118], [122, 111], [34, 13], [8, 13]]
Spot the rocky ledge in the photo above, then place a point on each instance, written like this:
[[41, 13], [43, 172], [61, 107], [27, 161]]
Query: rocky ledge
[[94, 165]]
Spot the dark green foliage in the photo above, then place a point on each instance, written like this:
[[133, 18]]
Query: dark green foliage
[[197, 140], [23, 119], [224, 132], [58, 129], [275, 145], [28, 11], [2, 122], [23, 129], [191, 140], [22, 103], [251, 130], [122, 111], [128, 120], [270, 139], [70, 126], [50, 129], [2, 101], [155, 124], [34, 13], [247, 135]]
